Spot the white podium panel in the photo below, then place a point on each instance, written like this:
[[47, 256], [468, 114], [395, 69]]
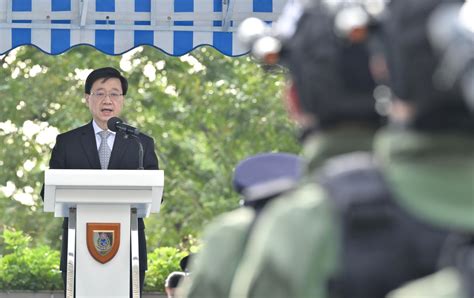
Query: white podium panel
[[104, 206], [111, 279]]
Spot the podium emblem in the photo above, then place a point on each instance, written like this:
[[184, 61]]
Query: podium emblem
[[103, 240]]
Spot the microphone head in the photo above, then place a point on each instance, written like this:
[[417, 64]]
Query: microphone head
[[111, 124]]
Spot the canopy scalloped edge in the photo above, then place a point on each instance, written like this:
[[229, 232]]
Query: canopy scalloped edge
[[114, 27]]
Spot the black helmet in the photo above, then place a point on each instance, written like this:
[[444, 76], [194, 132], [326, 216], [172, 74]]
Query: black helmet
[[330, 70], [413, 63], [324, 44]]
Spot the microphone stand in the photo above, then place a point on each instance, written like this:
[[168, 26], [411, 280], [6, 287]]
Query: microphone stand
[[135, 263], [140, 150]]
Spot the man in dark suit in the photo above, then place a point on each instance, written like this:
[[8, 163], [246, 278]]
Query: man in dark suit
[[79, 148]]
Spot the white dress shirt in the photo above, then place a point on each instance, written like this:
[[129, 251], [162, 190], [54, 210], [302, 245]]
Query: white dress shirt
[[98, 139]]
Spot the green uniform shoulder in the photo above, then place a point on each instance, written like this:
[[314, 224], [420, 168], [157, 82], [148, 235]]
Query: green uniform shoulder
[[430, 168], [214, 266]]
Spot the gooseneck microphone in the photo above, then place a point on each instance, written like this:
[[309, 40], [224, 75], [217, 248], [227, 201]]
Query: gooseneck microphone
[[116, 124]]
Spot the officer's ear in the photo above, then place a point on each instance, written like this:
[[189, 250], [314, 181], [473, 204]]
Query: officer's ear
[[379, 69], [292, 101], [294, 107]]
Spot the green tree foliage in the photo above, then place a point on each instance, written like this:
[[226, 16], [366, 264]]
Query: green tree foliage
[[205, 111], [28, 268], [162, 261]]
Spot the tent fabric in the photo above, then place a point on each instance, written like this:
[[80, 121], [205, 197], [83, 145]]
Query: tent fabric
[[116, 26]]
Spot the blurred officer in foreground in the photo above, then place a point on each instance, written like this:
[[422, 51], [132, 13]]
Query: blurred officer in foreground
[[258, 179], [340, 234], [294, 248], [427, 153]]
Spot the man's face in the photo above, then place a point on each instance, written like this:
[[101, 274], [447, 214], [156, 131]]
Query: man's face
[[105, 101]]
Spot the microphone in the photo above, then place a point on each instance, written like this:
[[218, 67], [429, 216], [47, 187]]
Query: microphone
[[116, 124]]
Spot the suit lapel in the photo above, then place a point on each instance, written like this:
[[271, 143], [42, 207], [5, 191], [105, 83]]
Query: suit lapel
[[89, 145], [120, 147]]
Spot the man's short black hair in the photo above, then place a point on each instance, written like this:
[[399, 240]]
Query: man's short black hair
[[173, 279], [105, 73], [330, 73]]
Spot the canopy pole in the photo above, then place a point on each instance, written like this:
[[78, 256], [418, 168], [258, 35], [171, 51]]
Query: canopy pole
[[228, 9], [153, 13], [84, 4], [9, 12]]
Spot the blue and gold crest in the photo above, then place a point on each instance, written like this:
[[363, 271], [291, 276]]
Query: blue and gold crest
[[103, 240]]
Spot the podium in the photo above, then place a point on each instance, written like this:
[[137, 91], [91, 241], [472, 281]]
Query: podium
[[103, 207]]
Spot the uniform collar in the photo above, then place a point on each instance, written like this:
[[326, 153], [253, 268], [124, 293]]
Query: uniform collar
[[430, 173], [324, 144]]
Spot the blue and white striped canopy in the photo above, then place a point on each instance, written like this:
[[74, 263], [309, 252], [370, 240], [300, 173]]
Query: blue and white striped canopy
[[116, 26]]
